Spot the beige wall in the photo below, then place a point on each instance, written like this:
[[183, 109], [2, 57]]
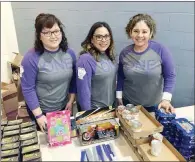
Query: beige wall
[[9, 42]]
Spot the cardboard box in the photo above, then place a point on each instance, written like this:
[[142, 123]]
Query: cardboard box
[[168, 153], [132, 147], [97, 125], [17, 60], [19, 89], [135, 142], [10, 101], [3, 114], [149, 124], [15, 66]]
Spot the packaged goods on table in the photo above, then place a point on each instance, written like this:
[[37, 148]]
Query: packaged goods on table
[[15, 122], [59, 128], [97, 125], [104, 152], [19, 142], [10, 146], [131, 115], [11, 139], [184, 137], [138, 121], [165, 119], [27, 124]]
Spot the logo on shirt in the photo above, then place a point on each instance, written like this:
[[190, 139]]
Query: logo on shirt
[[21, 70], [81, 73]]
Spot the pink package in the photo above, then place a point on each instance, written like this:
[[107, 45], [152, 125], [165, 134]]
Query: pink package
[[59, 128]]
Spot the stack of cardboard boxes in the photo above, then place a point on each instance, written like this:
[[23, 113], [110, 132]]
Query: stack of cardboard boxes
[[12, 101], [140, 140]]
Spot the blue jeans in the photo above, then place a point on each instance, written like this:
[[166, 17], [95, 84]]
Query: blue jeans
[[149, 109]]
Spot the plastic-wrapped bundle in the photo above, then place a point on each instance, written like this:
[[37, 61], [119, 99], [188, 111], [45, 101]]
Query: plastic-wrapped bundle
[[161, 115], [184, 137], [184, 129], [165, 119]]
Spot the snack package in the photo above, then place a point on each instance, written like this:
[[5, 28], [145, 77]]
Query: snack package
[[28, 136], [27, 124], [15, 158], [10, 146], [3, 122], [59, 128], [161, 115], [15, 122], [32, 156], [11, 133], [8, 153], [29, 142], [10, 139], [28, 130], [31, 148], [10, 128]]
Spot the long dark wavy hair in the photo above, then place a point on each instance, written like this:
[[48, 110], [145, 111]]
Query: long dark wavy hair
[[90, 48], [47, 21]]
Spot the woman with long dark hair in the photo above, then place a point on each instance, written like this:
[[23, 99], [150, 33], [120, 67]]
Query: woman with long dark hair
[[48, 70], [96, 69]]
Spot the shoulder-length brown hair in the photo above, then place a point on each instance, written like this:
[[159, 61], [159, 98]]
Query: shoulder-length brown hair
[[90, 48], [47, 21]]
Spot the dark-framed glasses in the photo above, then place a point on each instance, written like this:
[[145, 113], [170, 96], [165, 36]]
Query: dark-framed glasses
[[101, 37], [49, 33]]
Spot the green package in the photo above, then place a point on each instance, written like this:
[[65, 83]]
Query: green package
[[7, 153], [28, 136], [10, 146], [28, 129], [31, 148], [29, 142], [15, 158], [15, 122], [32, 156], [10, 128], [27, 124], [11, 133], [12, 139], [3, 122]]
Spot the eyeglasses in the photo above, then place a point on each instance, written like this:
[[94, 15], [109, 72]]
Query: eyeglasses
[[101, 37], [48, 34]]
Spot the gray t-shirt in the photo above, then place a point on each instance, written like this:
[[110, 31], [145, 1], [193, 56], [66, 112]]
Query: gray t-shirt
[[143, 77], [48, 78], [97, 85]]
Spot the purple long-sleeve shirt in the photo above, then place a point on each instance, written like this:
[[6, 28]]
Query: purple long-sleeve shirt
[[143, 77], [96, 81], [47, 79]]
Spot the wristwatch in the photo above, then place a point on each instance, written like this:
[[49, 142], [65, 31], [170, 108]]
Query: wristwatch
[[38, 116]]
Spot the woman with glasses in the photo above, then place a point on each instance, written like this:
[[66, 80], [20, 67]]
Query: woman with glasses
[[96, 69], [146, 74], [48, 71]]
